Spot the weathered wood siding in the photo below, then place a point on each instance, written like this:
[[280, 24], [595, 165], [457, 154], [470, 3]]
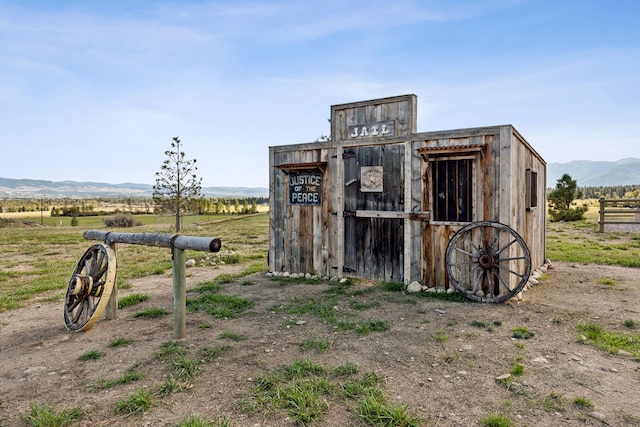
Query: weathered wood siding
[[500, 159], [373, 222], [297, 232], [399, 109], [389, 230]]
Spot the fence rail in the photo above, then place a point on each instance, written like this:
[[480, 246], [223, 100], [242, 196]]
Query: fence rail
[[618, 211]]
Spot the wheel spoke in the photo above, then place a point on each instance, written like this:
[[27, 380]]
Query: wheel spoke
[[508, 270], [490, 290], [493, 243], [508, 245], [477, 280], [504, 283], [515, 258], [472, 255], [462, 263], [78, 312], [476, 248], [464, 278], [74, 305]]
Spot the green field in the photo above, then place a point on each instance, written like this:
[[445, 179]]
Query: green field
[[37, 260]]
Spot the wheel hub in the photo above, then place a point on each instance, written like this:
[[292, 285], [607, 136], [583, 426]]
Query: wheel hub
[[81, 285], [486, 261]]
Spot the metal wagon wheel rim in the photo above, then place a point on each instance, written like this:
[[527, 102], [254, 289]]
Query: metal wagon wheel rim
[[90, 288], [488, 261]]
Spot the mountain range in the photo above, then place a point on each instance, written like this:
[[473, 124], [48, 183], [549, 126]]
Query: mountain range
[[587, 173], [30, 188]]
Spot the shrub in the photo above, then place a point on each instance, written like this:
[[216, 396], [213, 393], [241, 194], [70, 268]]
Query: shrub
[[561, 199], [121, 220], [572, 214]]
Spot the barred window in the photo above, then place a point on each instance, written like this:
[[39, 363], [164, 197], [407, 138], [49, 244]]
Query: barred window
[[452, 186]]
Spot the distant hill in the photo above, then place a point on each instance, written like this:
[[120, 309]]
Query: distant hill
[[30, 188], [589, 173]]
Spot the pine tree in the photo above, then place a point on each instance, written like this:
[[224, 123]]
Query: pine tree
[[561, 198], [177, 185]]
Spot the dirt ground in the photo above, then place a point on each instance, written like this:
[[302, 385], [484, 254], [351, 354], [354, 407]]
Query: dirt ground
[[448, 381]]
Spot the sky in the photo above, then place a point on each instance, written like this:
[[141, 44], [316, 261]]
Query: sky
[[95, 90]]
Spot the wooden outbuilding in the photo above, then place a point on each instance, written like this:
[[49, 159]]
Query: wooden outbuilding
[[381, 201]]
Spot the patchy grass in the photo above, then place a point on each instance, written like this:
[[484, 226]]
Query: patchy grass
[[554, 402], [610, 342], [184, 369], [441, 336], [232, 336], [130, 375], [522, 333], [219, 305], [381, 412], [90, 355], [364, 328], [606, 281], [151, 312], [210, 353], [316, 344], [120, 342], [302, 391], [194, 420], [582, 402], [170, 349], [132, 299], [138, 402], [517, 369], [496, 420], [46, 415]]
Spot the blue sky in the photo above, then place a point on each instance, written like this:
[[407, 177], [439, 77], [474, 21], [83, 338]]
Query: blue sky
[[95, 90]]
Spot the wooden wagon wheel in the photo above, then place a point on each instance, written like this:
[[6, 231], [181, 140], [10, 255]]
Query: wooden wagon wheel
[[90, 288], [488, 261]]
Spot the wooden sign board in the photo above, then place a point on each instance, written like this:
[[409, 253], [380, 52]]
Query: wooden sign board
[[305, 188]]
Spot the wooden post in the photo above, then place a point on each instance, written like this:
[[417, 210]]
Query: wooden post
[[111, 310], [601, 220], [179, 294]]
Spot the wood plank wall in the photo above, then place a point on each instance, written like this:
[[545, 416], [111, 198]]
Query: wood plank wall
[[312, 238], [499, 180]]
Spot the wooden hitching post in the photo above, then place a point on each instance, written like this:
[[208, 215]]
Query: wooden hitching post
[[179, 294], [111, 310]]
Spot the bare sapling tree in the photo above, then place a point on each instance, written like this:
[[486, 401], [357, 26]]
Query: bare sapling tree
[[177, 185]]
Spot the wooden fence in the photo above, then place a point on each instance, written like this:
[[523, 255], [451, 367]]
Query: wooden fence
[[618, 211]]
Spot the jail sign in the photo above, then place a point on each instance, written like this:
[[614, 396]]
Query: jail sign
[[305, 188]]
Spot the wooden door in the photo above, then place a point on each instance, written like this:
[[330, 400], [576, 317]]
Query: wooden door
[[374, 212]]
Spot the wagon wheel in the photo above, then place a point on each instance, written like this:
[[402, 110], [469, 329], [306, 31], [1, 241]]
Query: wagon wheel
[[90, 288], [488, 261]]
